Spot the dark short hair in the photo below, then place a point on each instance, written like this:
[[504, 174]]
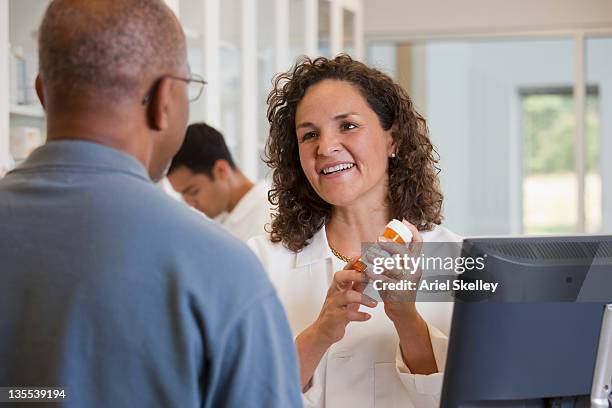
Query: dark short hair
[[108, 48], [203, 146], [414, 189]]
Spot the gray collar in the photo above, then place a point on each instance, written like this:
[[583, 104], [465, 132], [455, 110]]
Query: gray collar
[[80, 154]]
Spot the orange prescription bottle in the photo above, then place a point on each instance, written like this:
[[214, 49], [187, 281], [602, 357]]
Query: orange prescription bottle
[[395, 231]]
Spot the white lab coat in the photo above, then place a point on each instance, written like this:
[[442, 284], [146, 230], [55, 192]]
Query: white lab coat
[[251, 214], [365, 369]]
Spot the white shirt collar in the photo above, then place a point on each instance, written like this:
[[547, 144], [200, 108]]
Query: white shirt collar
[[247, 202], [221, 217], [317, 250]]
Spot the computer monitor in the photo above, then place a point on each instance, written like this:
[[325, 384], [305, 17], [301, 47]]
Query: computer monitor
[[534, 342]]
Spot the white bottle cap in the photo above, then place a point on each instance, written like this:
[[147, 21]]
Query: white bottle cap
[[400, 229]]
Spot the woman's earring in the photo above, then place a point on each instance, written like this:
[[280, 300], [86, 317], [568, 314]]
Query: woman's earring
[[392, 155]]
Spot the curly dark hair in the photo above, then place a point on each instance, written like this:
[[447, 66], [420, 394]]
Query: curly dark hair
[[414, 189]]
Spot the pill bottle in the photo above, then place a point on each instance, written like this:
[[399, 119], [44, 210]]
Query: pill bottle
[[395, 231]]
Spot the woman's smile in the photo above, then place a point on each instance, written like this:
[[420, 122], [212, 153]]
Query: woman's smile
[[332, 170]]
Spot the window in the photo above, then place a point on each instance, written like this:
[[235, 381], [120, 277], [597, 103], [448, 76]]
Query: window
[[550, 184]]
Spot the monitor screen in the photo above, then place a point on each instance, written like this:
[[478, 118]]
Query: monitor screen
[[534, 342]]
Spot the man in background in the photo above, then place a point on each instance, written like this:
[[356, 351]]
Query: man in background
[[205, 174], [111, 290]]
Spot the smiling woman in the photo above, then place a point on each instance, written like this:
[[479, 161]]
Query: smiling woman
[[349, 153], [327, 103]]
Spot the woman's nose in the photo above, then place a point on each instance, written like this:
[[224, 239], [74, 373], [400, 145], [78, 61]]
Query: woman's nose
[[328, 144]]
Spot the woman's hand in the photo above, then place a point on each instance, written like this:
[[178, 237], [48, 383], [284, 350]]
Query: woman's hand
[[341, 304], [399, 304], [412, 330], [341, 307]]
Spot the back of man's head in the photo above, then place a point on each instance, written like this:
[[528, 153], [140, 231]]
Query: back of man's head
[[202, 147], [106, 50], [115, 72]]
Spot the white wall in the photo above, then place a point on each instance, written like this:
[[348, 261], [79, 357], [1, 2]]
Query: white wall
[[409, 18], [383, 56], [28, 14], [473, 111], [450, 130]]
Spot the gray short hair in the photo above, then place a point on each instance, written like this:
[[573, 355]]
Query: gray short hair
[[108, 46]]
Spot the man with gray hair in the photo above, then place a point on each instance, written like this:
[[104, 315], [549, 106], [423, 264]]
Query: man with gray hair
[[113, 293]]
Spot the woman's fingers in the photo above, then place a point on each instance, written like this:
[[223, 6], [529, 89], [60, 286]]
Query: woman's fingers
[[413, 247], [417, 239], [353, 297], [386, 276], [344, 278], [374, 252], [355, 316], [350, 264], [416, 235], [392, 248]]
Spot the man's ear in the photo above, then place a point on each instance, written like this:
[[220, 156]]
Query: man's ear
[[39, 91], [157, 111], [221, 170]]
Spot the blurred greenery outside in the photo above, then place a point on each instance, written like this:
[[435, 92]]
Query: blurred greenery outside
[[550, 198]]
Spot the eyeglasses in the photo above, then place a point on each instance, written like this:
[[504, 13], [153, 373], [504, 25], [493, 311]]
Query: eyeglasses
[[195, 85]]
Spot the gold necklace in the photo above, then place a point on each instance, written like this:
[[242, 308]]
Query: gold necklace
[[338, 254]]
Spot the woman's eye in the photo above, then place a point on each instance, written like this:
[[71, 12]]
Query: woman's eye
[[308, 135], [348, 126]]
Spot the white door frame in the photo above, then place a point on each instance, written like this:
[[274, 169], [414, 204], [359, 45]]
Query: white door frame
[[248, 85], [212, 62], [281, 41], [336, 29], [4, 84], [311, 28]]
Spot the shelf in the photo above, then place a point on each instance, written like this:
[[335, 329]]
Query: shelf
[[34, 111]]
